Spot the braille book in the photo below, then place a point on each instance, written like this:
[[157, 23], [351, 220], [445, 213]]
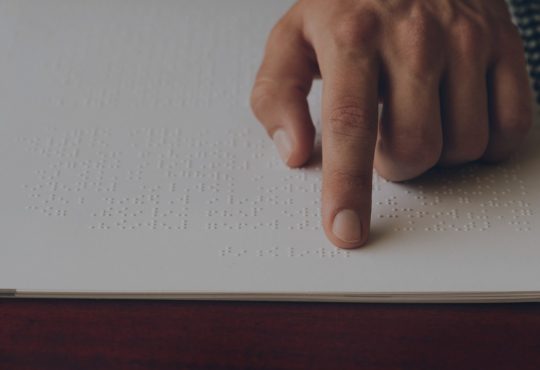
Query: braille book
[[131, 166]]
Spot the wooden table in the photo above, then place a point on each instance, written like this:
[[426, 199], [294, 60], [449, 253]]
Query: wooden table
[[92, 334]]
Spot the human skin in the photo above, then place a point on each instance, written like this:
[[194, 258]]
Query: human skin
[[451, 75]]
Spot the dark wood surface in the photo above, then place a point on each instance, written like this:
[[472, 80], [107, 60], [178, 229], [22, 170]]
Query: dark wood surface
[[92, 334]]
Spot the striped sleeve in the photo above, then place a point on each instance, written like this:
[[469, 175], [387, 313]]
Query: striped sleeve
[[527, 17]]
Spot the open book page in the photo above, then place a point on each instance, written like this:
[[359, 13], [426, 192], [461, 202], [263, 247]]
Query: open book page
[[131, 165]]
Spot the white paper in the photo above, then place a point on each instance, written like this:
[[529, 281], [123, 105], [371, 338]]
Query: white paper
[[132, 166]]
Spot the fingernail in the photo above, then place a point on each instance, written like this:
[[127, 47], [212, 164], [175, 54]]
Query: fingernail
[[283, 144], [347, 226]]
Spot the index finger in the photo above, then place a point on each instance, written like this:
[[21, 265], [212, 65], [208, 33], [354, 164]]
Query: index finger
[[349, 133]]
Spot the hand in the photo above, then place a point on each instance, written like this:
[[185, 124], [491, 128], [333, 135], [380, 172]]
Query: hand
[[451, 75]]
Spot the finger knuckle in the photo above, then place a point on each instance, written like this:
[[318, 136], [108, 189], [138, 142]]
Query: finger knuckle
[[283, 27], [263, 92], [352, 121], [469, 36], [355, 31], [420, 43], [418, 26]]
